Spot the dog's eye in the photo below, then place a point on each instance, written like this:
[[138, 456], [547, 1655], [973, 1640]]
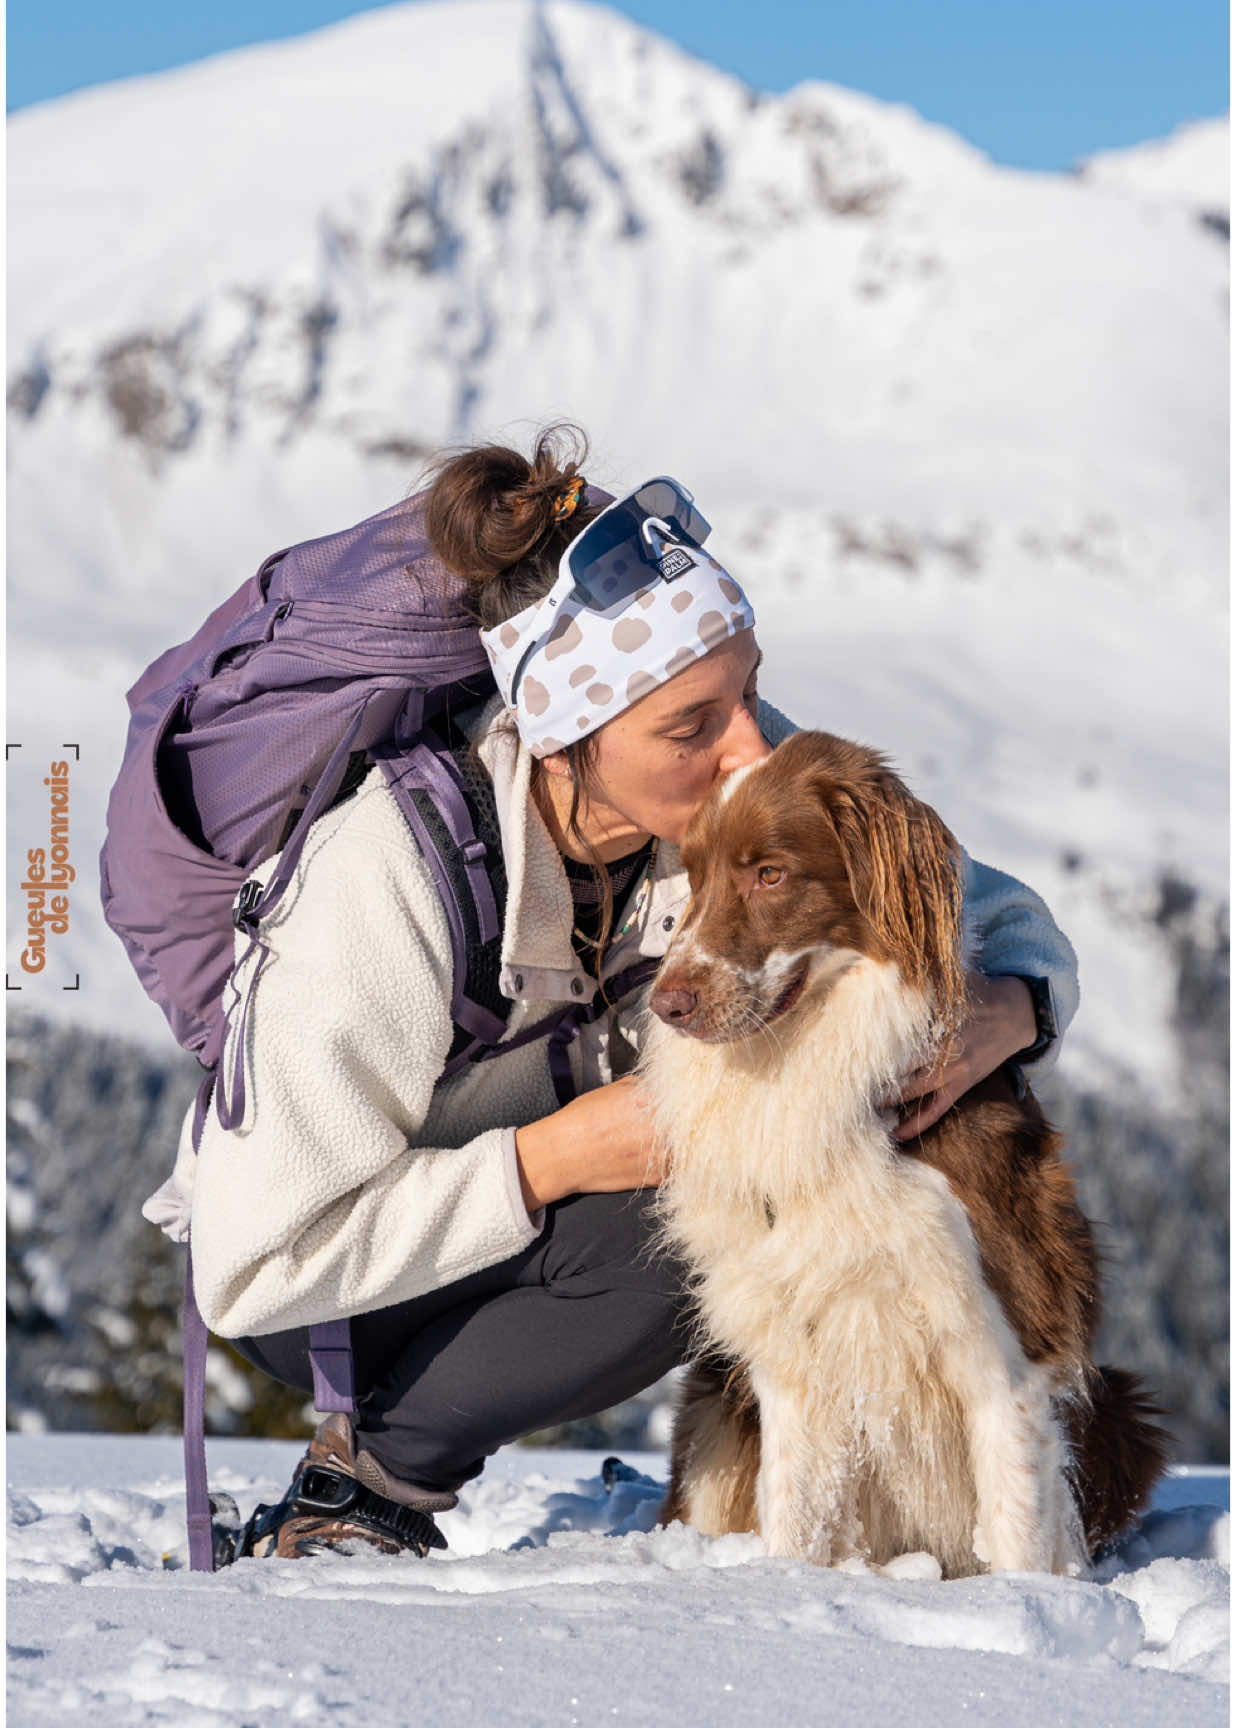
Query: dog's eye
[[770, 875]]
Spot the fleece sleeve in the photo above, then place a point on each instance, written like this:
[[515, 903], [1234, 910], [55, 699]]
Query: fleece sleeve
[[1013, 932], [773, 724], [324, 1203]]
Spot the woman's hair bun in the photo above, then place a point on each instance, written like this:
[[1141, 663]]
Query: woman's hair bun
[[490, 517]]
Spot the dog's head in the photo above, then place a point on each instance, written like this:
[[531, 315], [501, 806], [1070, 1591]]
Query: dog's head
[[801, 867]]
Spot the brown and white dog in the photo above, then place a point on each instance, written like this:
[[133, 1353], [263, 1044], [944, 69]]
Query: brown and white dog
[[895, 1342]]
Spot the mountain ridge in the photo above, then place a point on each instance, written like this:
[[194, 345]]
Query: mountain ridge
[[960, 428], [474, 232]]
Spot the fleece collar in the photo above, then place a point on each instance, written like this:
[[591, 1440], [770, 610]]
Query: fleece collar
[[538, 960]]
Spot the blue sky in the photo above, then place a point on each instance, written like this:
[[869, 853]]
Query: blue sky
[[1036, 83]]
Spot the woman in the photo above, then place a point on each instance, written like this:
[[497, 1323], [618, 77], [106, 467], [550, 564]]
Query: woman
[[493, 1245]]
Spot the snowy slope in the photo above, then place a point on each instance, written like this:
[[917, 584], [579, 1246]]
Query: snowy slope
[[559, 1604], [960, 428]]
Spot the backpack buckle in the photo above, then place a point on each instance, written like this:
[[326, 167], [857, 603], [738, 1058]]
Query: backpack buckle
[[246, 900]]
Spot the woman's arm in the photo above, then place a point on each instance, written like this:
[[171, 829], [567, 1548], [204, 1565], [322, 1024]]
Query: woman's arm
[[325, 1202], [1013, 937], [603, 1142], [1018, 938]]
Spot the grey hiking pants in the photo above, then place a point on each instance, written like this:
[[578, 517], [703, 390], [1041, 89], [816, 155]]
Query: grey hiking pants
[[584, 1317]]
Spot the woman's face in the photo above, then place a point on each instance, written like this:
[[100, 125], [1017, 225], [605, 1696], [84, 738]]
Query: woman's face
[[657, 762]]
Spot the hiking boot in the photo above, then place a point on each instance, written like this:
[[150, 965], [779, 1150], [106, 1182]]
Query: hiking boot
[[342, 1500]]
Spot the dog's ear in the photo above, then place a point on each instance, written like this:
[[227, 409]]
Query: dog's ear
[[904, 871]]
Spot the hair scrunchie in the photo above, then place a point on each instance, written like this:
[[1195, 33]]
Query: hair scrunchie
[[567, 501]]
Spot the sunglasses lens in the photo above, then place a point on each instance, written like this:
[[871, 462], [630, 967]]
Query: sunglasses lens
[[609, 561], [668, 500], [613, 558]]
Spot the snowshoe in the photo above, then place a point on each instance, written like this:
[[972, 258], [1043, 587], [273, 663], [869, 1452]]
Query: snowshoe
[[328, 1508], [614, 1471], [225, 1528]]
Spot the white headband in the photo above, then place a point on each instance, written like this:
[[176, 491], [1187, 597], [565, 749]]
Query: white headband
[[572, 666]]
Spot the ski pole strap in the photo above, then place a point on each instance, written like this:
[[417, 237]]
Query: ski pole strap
[[197, 1497], [330, 1356]]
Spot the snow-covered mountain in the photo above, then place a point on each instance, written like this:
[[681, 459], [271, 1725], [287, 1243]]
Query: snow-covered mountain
[[960, 428], [1191, 169]]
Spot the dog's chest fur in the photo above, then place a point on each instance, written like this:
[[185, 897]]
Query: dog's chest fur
[[851, 1286], [826, 1260]]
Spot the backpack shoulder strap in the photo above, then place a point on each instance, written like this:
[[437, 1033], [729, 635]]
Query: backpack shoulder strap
[[448, 803]]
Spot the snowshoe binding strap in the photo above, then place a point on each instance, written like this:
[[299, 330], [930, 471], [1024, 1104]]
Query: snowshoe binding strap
[[335, 1508]]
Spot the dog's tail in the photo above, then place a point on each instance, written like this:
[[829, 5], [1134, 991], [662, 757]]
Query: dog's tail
[[1119, 1453]]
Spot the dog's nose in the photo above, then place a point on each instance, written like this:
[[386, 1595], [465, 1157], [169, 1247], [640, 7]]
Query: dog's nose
[[675, 1007]]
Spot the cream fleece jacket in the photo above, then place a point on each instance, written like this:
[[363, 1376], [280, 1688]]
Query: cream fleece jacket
[[359, 1177]]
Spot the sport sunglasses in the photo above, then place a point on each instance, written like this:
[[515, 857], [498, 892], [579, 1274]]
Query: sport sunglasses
[[636, 540]]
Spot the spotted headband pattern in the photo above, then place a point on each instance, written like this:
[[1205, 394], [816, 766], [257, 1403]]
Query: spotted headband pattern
[[565, 667]]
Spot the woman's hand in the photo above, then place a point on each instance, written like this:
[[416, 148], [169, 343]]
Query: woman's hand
[[600, 1143], [1000, 1023]]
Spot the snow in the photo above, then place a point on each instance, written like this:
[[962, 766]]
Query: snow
[[1192, 167], [560, 1603]]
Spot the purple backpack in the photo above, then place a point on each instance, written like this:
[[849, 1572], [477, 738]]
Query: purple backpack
[[353, 644], [354, 648]]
